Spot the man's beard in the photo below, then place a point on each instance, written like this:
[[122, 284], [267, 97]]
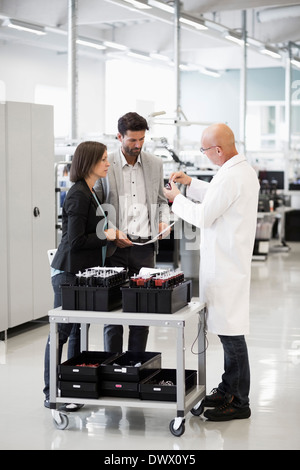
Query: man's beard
[[132, 152]]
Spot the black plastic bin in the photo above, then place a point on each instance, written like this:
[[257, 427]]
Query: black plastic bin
[[156, 300], [131, 366], [151, 389], [74, 368], [111, 388], [79, 389], [90, 298]]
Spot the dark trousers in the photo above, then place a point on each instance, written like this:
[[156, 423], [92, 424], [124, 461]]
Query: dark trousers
[[236, 377], [133, 259], [66, 331]]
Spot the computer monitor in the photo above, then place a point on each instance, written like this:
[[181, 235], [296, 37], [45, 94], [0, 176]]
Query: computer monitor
[[271, 176]]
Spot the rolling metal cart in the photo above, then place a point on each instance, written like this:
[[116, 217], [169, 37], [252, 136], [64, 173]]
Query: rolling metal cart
[[184, 402]]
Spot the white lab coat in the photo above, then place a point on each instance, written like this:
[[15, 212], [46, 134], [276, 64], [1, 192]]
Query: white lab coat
[[227, 220]]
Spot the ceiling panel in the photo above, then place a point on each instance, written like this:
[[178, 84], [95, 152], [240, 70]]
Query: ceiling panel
[[146, 31]]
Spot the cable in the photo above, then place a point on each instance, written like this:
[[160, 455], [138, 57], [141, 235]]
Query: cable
[[206, 340]]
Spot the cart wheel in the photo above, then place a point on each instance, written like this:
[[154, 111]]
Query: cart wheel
[[177, 430], [61, 421], [198, 409]]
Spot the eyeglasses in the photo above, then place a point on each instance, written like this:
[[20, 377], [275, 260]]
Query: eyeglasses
[[202, 150]]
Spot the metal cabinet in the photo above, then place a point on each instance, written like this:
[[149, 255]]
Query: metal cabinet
[[3, 228], [27, 211]]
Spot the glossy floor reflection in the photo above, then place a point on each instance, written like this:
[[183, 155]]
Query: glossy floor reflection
[[274, 349]]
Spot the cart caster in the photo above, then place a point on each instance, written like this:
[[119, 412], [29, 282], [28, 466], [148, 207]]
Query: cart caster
[[177, 427], [60, 420], [198, 409]]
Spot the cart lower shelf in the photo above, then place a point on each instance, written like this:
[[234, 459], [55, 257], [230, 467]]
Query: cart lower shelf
[[191, 399], [192, 402], [184, 402]]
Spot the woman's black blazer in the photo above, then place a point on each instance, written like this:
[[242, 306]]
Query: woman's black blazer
[[80, 247]]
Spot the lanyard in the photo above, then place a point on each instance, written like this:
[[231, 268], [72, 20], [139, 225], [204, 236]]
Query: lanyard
[[104, 248]]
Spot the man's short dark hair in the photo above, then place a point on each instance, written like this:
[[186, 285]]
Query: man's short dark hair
[[132, 122]]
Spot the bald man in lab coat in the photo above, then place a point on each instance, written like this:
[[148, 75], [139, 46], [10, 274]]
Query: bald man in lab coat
[[226, 216]]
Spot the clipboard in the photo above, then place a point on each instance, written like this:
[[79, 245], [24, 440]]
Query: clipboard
[[156, 236]]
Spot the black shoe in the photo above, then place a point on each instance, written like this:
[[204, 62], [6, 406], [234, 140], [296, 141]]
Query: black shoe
[[227, 412], [214, 399], [47, 403]]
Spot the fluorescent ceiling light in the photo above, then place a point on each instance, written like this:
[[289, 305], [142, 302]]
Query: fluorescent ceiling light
[[138, 55], [296, 61], [157, 56], [199, 68], [270, 51], [210, 72], [161, 6], [188, 67], [195, 23], [215, 26], [234, 37], [115, 45], [23, 26], [141, 4], [90, 43], [254, 42]]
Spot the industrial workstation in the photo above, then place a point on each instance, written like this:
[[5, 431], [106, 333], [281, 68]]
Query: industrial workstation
[[150, 235]]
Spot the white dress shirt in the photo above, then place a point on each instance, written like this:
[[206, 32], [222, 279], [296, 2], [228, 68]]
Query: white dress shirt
[[136, 221]]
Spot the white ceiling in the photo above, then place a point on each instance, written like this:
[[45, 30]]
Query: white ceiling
[[274, 22]]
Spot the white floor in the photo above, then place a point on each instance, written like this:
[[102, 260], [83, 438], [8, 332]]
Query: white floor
[[274, 349]]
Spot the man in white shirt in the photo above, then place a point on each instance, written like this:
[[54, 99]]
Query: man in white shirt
[[139, 209], [227, 218]]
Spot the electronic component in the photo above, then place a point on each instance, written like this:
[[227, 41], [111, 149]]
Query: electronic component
[[101, 277], [163, 280]]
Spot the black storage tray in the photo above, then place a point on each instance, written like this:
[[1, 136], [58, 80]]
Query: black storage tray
[[151, 390], [156, 300], [119, 389], [90, 298], [71, 370], [120, 369], [79, 389]]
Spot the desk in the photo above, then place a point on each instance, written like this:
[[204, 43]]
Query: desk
[[183, 404]]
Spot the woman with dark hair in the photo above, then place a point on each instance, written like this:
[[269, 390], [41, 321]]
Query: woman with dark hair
[[83, 244]]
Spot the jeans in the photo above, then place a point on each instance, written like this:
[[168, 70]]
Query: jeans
[[66, 331], [133, 259], [236, 377]]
